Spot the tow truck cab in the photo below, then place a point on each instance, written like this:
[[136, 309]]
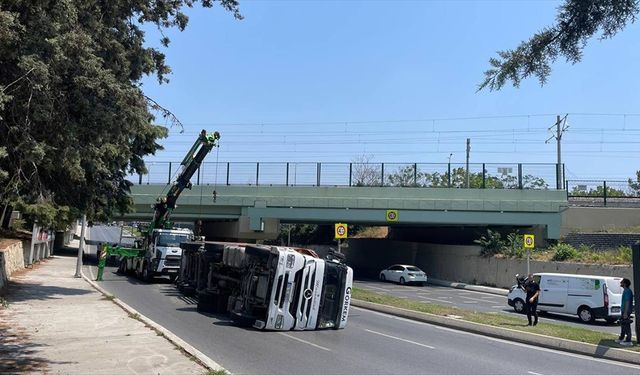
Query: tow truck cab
[[164, 250]]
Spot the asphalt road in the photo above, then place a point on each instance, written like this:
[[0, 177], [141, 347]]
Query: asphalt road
[[372, 343], [476, 301]]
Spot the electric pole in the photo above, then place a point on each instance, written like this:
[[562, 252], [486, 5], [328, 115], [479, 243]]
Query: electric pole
[[561, 127], [467, 169]]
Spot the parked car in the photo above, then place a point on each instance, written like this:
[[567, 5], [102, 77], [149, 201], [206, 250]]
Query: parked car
[[589, 297], [403, 274]]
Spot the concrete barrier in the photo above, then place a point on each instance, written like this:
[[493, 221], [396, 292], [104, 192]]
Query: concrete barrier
[[459, 263], [11, 260]]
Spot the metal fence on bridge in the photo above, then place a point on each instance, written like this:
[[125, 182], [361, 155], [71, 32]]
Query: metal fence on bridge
[[594, 193], [443, 175]]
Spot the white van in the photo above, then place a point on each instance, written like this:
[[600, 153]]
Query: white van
[[590, 297]]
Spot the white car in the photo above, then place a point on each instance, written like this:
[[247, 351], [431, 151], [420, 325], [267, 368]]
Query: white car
[[403, 274]]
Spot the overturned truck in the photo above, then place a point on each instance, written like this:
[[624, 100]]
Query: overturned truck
[[267, 287]]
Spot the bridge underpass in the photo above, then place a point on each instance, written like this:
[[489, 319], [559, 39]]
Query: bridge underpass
[[255, 212]]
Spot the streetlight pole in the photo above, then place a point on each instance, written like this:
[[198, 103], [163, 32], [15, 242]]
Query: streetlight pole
[[81, 247]]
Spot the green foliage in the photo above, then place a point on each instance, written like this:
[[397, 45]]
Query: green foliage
[[597, 192], [576, 22], [563, 251], [408, 176], [635, 185], [491, 243], [305, 234], [74, 121], [514, 246]]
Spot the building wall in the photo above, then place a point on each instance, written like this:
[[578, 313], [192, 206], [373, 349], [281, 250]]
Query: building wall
[[593, 219], [11, 260]]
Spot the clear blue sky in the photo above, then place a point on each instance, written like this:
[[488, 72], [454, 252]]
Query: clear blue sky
[[325, 81]]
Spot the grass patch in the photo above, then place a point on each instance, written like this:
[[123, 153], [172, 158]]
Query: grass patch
[[215, 372], [135, 316], [108, 297], [584, 254], [517, 323]]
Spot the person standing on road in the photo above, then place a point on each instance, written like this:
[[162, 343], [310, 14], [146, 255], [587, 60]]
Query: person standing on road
[[531, 305], [626, 308]]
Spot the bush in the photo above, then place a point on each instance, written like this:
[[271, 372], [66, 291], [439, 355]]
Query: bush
[[563, 251], [491, 243], [515, 246]]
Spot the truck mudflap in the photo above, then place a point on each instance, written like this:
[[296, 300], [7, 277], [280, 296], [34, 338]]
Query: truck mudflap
[[346, 302]]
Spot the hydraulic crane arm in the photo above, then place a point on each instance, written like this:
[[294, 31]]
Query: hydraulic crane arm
[[202, 146]]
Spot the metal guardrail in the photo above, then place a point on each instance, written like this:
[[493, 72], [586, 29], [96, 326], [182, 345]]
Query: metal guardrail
[[600, 193], [445, 175]]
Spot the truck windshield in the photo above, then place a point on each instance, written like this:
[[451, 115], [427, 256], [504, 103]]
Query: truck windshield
[[332, 293], [171, 240]]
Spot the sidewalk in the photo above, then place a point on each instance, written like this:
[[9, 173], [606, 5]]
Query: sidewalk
[[56, 323]]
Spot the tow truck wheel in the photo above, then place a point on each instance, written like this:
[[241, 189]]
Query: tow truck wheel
[[146, 273]]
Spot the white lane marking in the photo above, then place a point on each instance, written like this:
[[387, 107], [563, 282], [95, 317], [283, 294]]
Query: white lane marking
[[434, 299], [533, 373], [476, 299], [305, 341], [528, 346], [400, 339]]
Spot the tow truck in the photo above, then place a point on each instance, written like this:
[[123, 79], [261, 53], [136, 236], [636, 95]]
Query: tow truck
[[158, 251]]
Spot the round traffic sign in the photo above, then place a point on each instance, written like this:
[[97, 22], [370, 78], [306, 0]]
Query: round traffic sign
[[341, 230], [529, 241], [391, 215]]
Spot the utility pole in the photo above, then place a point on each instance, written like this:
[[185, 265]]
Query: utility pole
[[81, 247], [560, 129], [467, 170]]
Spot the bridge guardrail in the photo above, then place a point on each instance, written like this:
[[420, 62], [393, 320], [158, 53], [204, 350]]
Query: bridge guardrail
[[443, 175]]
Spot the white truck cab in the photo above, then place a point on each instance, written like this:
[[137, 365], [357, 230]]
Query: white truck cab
[[588, 296], [164, 252]]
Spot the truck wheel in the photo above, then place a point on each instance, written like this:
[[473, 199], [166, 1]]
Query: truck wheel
[[147, 275], [518, 306], [586, 315], [122, 267]]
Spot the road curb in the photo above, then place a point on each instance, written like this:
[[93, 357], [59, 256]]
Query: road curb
[[477, 288], [592, 350], [198, 355]]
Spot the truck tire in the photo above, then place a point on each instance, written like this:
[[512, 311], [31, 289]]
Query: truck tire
[[122, 267], [147, 274]]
